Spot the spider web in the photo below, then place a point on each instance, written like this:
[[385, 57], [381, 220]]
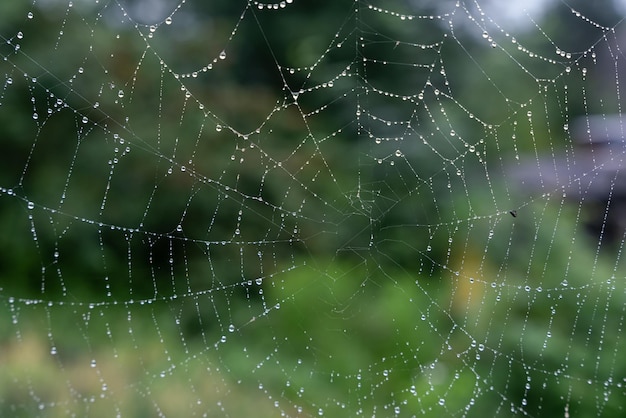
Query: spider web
[[349, 209]]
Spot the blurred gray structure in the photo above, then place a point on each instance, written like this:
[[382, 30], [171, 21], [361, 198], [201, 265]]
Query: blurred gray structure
[[591, 173]]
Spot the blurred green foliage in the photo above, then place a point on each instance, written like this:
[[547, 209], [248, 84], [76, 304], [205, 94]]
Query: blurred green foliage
[[353, 286]]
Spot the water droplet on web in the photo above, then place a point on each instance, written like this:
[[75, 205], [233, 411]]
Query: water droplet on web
[[30, 15], [35, 116], [218, 128], [20, 35], [120, 94], [93, 363], [30, 205], [223, 55], [231, 328], [168, 21], [53, 350]]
